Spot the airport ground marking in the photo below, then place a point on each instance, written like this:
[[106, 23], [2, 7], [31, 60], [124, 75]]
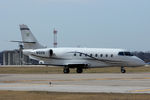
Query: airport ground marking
[[142, 90]]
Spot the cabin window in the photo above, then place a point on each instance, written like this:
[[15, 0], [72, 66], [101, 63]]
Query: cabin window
[[80, 54], [91, 55], [101, 55], [75, 54], [85, 55], [111, 55], [96, 55], [106, 55]]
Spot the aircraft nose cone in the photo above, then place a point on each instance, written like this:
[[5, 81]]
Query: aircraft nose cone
[[140, 62]]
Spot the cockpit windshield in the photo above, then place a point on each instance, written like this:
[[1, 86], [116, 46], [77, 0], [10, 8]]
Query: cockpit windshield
[[125, 54]]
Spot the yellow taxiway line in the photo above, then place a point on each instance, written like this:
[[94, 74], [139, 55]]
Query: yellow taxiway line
[[143, 90]]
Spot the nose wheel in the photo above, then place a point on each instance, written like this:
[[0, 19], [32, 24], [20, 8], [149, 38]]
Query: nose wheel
[[66, 70], [123, 70]]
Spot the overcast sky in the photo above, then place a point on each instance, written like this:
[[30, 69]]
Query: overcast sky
[[86, 23]]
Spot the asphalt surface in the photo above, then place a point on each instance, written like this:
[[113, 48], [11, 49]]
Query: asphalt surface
[[108, 83]]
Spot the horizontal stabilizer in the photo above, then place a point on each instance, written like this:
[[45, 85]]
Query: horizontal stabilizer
[[22, 42]]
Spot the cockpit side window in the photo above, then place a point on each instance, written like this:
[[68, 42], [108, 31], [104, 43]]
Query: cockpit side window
[[121, 53], [128, 54], [125, 54]]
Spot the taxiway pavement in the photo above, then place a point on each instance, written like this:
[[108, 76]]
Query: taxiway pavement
[[108, 83]]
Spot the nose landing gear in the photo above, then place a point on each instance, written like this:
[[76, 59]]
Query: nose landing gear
[[66, 70], [123, 70]]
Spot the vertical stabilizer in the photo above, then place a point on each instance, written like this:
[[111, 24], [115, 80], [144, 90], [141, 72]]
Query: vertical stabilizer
[[28, 38]]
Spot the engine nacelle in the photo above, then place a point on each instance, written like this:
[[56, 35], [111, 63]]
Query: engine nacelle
[[43, 53]]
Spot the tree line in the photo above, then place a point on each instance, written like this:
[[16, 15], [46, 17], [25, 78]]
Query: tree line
[[143, 55]]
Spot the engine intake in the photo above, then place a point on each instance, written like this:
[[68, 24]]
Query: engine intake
[[51, 52]]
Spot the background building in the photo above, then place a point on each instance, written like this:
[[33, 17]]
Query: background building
[[1, 58], [15, 57]]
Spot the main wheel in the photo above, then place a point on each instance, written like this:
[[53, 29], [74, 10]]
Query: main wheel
[[66, 70], [79, 70], [123, 70]]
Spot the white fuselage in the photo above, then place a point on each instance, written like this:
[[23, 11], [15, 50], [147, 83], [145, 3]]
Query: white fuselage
[[91, 57]]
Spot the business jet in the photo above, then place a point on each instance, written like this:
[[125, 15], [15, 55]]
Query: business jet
[[79, 58]]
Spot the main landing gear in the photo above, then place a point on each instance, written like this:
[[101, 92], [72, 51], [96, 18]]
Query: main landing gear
[[67, 70], [79, 70], [123, 70]]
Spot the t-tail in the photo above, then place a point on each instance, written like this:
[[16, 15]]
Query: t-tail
[[28, 39]]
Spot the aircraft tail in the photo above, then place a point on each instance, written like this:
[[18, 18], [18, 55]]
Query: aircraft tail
[[28, 39]]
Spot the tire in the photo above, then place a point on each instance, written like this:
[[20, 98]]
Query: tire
[[66, 70], [79, 70], [123, 71]]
